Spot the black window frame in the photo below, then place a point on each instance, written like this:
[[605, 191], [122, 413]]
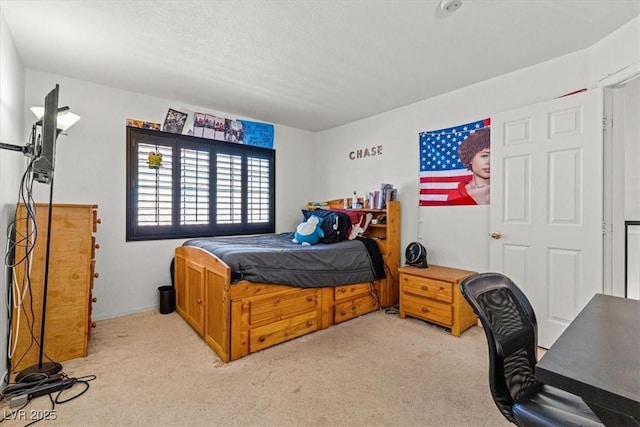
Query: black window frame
[[135, 232]]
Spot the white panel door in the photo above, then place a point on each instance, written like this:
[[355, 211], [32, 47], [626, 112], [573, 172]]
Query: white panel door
[[547, 205]]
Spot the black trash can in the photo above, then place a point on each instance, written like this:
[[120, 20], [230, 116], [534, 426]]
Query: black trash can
[[167, 299]]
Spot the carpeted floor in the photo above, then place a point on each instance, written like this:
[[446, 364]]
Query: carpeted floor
[[376, 370]]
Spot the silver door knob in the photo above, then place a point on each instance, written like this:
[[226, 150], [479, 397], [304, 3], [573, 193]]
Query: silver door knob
[[496, 235]]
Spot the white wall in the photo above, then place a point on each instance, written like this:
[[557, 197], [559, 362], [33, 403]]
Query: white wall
[[90, 168], [11, 162], [455, 236]]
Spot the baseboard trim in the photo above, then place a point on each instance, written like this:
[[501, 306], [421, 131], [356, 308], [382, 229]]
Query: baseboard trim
[[114, 315]]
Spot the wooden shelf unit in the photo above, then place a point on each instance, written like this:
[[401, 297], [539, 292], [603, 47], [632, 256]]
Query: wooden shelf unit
[[387, 236]]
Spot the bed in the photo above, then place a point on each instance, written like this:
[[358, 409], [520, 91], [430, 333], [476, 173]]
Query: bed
[[237, 316]]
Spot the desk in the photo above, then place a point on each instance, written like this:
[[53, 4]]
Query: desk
[[598, 358]]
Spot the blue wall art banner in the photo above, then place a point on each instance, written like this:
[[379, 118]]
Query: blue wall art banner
[[455, 165], [257, 134]]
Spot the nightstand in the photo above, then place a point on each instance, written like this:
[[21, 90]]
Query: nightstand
[[433, 294]]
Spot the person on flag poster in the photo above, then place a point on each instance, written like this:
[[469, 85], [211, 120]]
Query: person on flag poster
[[475, 154], [455, 166]]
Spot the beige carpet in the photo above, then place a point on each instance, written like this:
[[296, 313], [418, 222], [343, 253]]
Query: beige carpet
[[376, 370]]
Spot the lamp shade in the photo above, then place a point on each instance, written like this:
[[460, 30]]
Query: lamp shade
[[66, 118]]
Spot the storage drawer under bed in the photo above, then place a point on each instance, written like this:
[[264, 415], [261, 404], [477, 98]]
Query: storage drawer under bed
[[281, 331], [283, 305], [349, 291], [353, 308]]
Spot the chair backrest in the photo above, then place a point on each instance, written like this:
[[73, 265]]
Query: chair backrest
[[512, 336]]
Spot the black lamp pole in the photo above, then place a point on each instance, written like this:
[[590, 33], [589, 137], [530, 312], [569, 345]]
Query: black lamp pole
[[56, 366]]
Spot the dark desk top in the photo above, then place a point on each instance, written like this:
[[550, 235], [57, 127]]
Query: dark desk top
[[598, 355]]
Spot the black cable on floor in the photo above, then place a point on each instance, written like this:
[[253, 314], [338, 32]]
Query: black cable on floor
[[45, 414]]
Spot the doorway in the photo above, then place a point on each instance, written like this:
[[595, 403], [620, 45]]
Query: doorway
[[622, 188]]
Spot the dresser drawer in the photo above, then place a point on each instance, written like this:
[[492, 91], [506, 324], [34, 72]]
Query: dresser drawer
[[277, 332], [284, 305], [357, 307], [426, 287], [428, 309], [350, 291]]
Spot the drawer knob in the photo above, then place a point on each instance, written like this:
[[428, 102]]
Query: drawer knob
[[309, 298], [93, 324], [423, 287], [425, 310], [199, 301], [309, 323], [94, 299], [97, 245], [98, 221], [343, 290], [96, 275], [261, 339], [343, 313]]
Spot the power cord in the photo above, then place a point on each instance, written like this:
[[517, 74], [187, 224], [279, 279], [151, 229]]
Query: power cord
[[21, 242], [20, 394], [390, 309]]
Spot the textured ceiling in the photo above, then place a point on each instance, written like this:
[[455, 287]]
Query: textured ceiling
[[307, 64]]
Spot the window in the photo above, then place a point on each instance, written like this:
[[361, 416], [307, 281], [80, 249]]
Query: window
[[202, 188]]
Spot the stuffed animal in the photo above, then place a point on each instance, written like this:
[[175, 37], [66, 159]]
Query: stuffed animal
[[309, 232]]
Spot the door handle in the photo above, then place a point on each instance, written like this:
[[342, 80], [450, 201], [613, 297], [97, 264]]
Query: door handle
[[496, 235]]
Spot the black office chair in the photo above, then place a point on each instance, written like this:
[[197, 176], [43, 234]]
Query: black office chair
[[512, 336]]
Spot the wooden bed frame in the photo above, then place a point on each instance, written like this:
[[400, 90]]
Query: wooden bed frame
[[245, 317]]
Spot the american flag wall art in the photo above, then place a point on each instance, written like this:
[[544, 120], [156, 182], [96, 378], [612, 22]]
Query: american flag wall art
[[445, 179]]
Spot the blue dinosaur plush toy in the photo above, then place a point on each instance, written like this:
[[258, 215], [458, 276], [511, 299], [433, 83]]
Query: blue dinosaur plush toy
[[309, 232]]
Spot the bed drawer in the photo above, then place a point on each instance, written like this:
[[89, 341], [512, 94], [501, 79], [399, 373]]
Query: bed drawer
[[284, 305], [277, 332], [427, 309], [429, 288], [353, 308], [350, 291]]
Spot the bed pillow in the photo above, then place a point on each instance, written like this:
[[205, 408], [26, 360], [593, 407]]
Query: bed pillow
[[335, 225]]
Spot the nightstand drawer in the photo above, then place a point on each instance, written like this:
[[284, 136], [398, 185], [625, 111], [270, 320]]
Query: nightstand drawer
[[430, 310], [429, 288]]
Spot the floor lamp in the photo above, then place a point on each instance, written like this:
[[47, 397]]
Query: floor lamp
[[53, 121]]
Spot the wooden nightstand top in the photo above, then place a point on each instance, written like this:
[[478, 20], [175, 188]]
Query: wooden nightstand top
[[437, 272]]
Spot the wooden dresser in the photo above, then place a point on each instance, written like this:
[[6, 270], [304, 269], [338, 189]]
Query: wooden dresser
[[71, 273], [433, 294]]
